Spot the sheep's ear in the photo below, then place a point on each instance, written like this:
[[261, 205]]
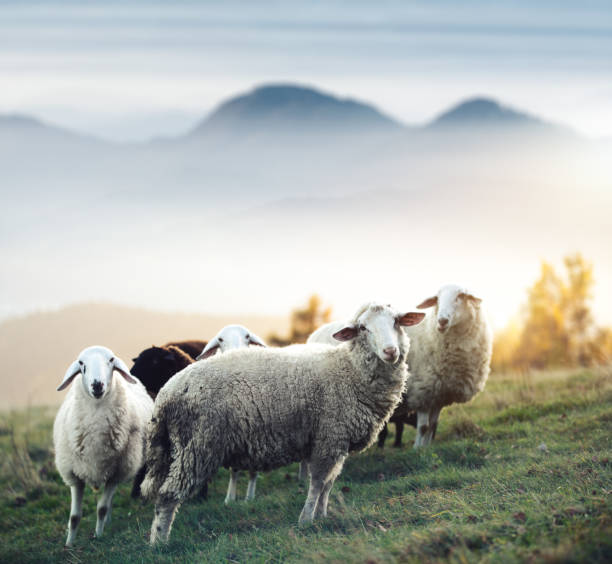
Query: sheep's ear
[[471, 298], [120, 367], [255, 340], [210, 349], [73, 370], [429, 302], [346, 334], [410, 318]]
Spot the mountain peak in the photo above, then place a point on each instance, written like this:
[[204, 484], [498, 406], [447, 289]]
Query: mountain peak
[[483, 112], [288, 107]]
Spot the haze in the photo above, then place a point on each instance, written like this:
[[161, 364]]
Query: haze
[[288, 191]]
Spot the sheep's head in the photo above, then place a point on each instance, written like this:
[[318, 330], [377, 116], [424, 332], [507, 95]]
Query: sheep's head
[[380, 326], [454, 306], [156, 365], [230, 337], [96, 365]]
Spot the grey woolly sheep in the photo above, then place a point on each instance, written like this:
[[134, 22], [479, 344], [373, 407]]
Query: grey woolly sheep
[[449, 359], [233, 337], [324, 335], [262, 408], [99, 431]]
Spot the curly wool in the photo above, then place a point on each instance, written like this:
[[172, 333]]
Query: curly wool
[[259, 409], [446, 368], [104, 440]]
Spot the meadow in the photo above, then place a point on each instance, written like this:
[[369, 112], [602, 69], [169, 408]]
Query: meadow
[[523, 473]]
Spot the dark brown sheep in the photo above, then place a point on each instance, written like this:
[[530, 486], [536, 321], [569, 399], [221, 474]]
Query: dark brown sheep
[[156, 365]]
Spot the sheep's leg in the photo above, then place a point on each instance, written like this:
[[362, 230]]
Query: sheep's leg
[[399, 429], [303, 471], [382, 436], [136, 493], [162, 522], [104, 508], [76, 511], [231, 487], [314, 490], [434, 414], [422, 428], [322, 476], [250, 495]]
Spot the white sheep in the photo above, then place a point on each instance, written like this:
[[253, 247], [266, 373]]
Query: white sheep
[[449, 358], [263, 408], [233, 337], [100, 430]]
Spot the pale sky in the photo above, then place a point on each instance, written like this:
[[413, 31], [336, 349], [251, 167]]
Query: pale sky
[[134, 70]]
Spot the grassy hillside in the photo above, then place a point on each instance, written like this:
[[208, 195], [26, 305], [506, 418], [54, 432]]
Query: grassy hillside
[[522, 473]]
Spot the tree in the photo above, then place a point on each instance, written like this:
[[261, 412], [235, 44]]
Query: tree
[[575, 295], [558, 328], [303, 322]]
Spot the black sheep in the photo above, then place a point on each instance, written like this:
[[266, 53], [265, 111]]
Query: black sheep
[[156, 365]]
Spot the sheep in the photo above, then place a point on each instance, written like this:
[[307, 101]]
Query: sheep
[[99, 431], [449, 358], [324, 334], [263, 408], [156, 365], [229, 338]]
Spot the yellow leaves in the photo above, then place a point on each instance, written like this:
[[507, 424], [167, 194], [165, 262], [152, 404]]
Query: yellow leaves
[[557, 327], [303, 322]]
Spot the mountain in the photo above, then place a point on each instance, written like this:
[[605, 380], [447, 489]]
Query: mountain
[[38, 348], [483, 112], [289, 107], [24, 128]]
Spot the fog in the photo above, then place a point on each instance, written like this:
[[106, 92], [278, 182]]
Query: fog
[[248, 217]]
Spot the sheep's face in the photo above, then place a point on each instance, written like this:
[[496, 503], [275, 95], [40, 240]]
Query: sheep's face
[[96, 366], [454, 306], [381, 327], [229, 338]]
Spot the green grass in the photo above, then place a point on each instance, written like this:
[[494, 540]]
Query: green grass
[[483, 492]]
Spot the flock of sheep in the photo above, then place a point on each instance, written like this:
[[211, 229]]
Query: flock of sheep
[[185, 409]]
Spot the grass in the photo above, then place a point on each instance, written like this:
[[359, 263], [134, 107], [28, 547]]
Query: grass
[[523, 473]]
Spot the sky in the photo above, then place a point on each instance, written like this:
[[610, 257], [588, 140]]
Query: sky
[[130, 71]]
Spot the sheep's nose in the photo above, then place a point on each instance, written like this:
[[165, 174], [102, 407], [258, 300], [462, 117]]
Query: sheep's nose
[[97, 389], [390, 353], [442, 323]]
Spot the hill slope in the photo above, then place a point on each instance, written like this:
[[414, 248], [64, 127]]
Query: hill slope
[[37, 349]]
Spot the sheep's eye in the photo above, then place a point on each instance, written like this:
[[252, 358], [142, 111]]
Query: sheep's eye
[[363, 328], [111, 359], [220, 340], [247, 336]]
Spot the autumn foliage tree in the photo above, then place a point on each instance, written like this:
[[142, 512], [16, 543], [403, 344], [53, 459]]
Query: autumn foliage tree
[[303, 322], [558, 327]]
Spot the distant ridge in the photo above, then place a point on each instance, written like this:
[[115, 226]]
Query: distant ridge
[[31, 129], [477, 112], [38, 347], [286, 107]]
